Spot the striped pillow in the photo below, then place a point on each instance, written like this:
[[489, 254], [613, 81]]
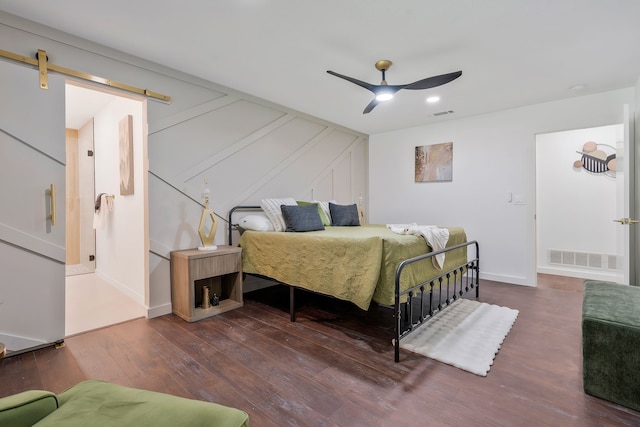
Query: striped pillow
[[325, 208], [271, 208]]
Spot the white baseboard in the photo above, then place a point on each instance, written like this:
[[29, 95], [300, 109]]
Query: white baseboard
[[592, 275], [505, 279], [159, 310]]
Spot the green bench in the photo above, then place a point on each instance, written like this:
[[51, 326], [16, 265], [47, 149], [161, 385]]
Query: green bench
[[611, 342]]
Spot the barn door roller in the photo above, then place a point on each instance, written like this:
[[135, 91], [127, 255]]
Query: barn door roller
[[41, 62]]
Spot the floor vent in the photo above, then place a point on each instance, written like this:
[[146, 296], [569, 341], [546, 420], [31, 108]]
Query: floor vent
[[443, 113], [582, 259]]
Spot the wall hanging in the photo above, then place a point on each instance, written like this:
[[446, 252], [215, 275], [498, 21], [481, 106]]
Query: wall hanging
[[126, 155], [597, 158], [434, 162]]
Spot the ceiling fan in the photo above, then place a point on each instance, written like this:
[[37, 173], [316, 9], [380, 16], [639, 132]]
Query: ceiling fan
[[384, 91]]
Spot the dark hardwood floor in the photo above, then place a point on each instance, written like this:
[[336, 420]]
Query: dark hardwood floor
[[334, 366]]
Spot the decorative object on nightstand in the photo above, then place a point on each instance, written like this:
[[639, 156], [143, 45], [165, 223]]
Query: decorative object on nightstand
[[208, 221], [206, 301]]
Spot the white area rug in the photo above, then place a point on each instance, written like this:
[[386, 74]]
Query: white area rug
[[467, 335]]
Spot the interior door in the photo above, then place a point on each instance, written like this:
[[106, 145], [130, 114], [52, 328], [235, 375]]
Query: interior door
[[32, 241], [625, 169]]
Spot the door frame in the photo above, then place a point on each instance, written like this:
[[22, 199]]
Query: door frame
[[606, 274], [141, 187]]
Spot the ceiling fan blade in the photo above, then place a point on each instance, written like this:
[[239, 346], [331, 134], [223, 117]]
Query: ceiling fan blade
[[434, 81], [371, 106], [360, 83]]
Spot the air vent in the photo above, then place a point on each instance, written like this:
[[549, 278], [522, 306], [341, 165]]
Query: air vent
[[582, 259], [443, 113]]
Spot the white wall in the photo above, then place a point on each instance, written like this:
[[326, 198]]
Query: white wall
[[492, 154], [121, 249], [576, 208]]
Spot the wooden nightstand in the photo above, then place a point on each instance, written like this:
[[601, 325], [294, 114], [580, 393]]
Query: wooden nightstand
[[220, 270]]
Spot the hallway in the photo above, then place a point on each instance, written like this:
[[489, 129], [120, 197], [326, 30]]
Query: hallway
[[91, 303]]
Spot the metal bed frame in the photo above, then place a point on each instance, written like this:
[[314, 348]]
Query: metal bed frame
[[422, 301], [420, 305]]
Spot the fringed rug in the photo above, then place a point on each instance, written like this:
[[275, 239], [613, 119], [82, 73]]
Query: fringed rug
[[467, 335]]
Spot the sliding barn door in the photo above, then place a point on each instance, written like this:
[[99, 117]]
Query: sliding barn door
[[32, 244]]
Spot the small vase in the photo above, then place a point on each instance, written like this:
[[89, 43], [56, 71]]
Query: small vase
[[206, 303]]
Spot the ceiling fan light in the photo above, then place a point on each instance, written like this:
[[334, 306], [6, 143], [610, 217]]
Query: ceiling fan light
[[384, 96]]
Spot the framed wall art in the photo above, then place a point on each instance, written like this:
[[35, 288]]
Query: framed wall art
[[126, 155], [434, 162]]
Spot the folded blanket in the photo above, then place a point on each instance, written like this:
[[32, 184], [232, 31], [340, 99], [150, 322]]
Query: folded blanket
[[436, 237]]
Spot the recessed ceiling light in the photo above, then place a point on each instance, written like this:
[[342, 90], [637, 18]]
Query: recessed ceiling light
[[433, 99]]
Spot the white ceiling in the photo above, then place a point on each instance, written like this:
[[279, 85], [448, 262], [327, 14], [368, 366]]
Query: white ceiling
[[511, 52]]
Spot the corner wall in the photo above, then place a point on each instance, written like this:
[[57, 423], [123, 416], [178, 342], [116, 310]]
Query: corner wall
[[493, 154]]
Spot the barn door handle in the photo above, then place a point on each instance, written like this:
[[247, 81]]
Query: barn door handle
[[52, 201], [626, 221]]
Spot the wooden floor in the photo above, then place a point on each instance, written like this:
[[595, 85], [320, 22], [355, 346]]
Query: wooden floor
[[334, 366]]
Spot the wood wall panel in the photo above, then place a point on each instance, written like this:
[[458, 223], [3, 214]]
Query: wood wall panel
[[246, 151], [179, 147]]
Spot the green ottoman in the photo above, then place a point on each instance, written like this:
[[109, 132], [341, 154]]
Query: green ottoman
[[97, 404], [611, 342]]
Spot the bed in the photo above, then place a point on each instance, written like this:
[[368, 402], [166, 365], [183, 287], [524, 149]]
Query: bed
[[367, 264]]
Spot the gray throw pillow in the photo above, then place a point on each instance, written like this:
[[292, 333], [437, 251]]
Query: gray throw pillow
[[302, 218], [344, 214]]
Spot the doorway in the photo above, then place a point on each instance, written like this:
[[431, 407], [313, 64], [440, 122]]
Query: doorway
[[106, 266], [576, 202]]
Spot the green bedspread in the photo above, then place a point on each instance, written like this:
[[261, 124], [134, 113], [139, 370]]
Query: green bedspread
[[356, 264]]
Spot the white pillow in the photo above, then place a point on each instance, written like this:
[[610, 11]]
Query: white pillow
[[271, 208], [256, 222]]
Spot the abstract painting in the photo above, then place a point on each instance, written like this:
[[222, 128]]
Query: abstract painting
[[434, 162], [126, 155]]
